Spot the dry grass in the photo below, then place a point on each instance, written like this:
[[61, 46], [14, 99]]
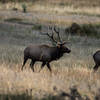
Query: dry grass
[[14, 81], [65, 10], [57, 12], [58, 8], [54, 8]]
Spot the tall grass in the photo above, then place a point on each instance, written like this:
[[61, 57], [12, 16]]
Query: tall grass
[[58, 7]]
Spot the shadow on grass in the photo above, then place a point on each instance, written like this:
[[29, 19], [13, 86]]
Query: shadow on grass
[[73, 95], [24, 22], [15, 97]]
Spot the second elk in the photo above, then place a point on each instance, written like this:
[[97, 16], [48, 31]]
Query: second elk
[[96, 58]]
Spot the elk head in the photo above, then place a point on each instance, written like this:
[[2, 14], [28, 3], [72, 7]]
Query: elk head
[[60, 44]]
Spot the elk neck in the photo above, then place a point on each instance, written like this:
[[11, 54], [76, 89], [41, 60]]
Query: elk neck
[[56, 53]]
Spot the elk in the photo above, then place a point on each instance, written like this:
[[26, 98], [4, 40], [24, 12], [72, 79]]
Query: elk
[[96, 58], [45, 53]]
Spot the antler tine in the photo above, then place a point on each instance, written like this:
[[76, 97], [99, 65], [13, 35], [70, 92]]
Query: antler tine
[[50, 36], [58, 35]]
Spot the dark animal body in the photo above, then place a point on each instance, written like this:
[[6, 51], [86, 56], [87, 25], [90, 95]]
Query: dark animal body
[[44, 54], [96, 58]]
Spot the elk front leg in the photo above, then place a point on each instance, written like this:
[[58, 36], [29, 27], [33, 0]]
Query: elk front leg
[[43, 64], [32, 65], [49, 67]]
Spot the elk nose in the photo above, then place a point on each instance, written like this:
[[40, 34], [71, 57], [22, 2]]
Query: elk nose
[[69, 51]]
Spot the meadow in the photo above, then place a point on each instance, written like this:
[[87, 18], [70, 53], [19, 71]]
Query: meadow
[[72, 70], [72, 76]]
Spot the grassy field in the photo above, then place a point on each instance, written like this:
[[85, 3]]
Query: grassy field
[[72, 76], [73, 71], [65, 7]]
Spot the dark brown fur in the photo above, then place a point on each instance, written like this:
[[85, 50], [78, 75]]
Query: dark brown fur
[[44, 54], [96, 58]]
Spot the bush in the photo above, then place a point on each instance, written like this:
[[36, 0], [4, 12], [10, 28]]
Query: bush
[[24, 8], [84, 29], [37, 27], [89, 30]]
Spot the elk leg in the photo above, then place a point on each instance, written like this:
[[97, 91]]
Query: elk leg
[[42, 65], [48, 65], [25, 59], [32, 65], [95, 67]]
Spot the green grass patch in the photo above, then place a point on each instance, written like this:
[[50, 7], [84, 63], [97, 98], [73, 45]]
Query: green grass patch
[[37, 27], [92, 30]]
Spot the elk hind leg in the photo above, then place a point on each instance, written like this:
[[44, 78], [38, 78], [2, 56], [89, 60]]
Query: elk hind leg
[[49, 67], [43, 64]]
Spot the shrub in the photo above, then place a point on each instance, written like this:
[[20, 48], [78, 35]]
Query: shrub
[[24, 8], [84, 29], [37, 27]]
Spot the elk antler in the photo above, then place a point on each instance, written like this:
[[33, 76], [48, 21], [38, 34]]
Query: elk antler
[[60, 40], [58, 35], [50, 36]]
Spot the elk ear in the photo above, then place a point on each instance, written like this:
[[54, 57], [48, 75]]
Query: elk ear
[[58, 44], [61, 44], [64, 43]]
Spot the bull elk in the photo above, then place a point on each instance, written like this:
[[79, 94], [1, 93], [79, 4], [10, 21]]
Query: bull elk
[[45, 53], [96, 58]]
